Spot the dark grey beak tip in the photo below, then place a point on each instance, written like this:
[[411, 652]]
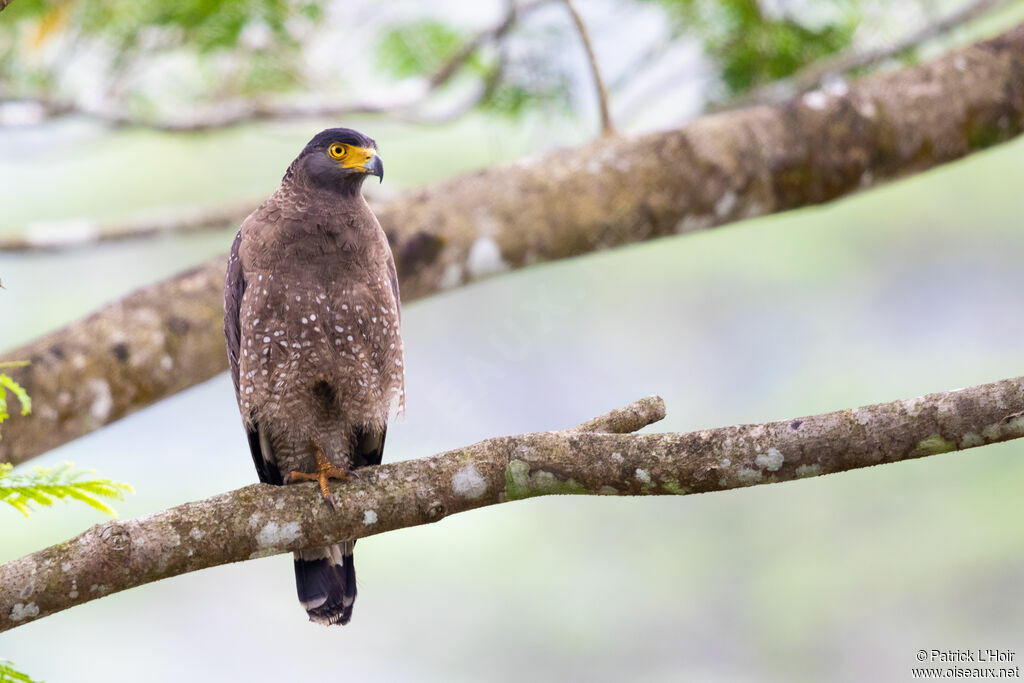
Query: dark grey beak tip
[[375, 167]]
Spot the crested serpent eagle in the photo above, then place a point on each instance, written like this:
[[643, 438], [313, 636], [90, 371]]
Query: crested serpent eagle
[[311, 317]]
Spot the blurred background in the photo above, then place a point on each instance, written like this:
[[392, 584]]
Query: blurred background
[[900, 291]]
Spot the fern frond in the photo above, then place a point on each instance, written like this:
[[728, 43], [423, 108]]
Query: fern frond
[[8, 674], [44, 485], [92, 501]]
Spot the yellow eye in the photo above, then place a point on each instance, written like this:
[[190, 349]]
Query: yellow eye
[[336, 150]]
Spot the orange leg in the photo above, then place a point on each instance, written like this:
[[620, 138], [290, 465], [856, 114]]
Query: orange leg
[[324, 471]]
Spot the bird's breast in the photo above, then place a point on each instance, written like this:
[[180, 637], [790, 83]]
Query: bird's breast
[[301, 330]]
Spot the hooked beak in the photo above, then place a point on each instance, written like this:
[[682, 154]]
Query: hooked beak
[[374, 166]]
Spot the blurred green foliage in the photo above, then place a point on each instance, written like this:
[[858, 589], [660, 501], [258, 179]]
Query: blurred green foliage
[[8, 674], [424, 47], [750, 47], [251, 48], [418, 48], [204, 25], [129, 33]]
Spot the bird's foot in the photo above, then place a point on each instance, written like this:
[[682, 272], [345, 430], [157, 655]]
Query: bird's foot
[[324, 472], [321, 476]]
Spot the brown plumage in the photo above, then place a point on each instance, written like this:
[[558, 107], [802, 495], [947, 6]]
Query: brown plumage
[[311, 316]]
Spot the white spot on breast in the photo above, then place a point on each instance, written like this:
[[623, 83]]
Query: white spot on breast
[[468, 483], [369, 517]]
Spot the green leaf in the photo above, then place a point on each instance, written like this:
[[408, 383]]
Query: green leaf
[[8, 384], [8, 674], [45, 485], [19, 392], [91, 501]]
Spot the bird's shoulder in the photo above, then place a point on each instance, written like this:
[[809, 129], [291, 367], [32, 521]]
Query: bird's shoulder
[[269, 213]]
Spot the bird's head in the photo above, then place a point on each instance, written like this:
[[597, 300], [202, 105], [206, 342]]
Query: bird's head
[[339, 159]]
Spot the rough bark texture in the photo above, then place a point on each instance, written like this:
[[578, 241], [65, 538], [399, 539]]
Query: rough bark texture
[[261, 520], [616, 191], [144, 347]]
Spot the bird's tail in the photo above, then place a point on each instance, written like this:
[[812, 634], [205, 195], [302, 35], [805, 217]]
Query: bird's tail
[[326, 581]]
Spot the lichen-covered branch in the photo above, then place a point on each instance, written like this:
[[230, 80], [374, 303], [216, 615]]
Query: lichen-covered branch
[[261, 520], [615, 191]]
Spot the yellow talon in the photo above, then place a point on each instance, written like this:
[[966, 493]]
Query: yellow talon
[[324, 471]]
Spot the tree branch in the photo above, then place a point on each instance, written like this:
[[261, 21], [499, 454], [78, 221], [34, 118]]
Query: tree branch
[[51, 236], [607, 128], [261, 520], [615, 191]]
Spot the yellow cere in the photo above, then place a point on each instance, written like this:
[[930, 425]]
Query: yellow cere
[[351, 156]]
